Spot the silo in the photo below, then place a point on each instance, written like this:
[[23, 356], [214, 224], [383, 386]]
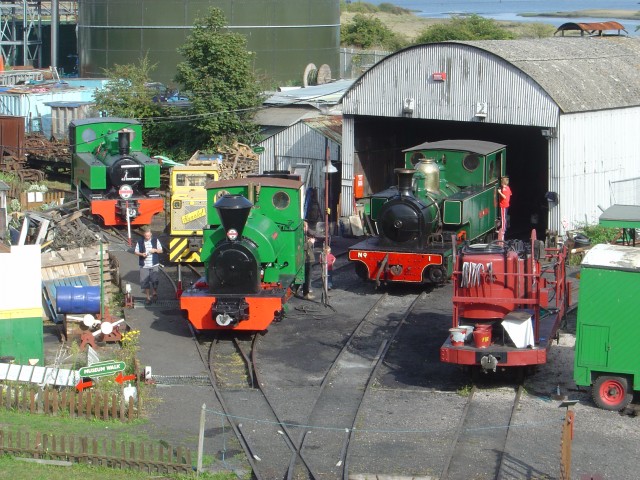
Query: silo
[[286, 35]]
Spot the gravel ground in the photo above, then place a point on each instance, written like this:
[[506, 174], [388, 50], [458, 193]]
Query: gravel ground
[[408, 419]]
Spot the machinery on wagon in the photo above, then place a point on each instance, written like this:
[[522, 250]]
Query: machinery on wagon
[[252, 252], [113, 173], [447, 189], [509, 298]]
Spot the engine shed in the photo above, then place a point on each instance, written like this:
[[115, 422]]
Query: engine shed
[[568, 110]]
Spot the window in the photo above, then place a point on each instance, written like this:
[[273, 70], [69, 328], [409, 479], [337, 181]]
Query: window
[[281, 200], [471, 161]]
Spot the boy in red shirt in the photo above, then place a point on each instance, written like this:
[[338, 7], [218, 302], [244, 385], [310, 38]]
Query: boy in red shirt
[[504, 197]]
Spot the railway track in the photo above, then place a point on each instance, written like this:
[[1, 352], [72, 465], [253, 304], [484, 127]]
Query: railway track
[[477, 449], [317, 448]]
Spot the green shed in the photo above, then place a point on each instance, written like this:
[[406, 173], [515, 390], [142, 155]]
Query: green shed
[[607, 355]]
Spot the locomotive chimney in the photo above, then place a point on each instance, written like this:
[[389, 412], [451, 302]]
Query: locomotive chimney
[[124, 141], [405, 181], [234, 211]]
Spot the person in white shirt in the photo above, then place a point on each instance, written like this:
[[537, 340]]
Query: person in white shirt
[[148, 249]]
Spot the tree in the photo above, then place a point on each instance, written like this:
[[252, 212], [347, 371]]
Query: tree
[[472, 27], [218, 79], [128, 94], [368, 32]]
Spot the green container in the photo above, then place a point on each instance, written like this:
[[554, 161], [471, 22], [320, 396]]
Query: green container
[[22, 339], [608, 327]]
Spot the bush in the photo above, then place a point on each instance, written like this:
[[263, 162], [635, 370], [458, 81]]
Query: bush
[[599, 234], [367, 32], [364, 7], [472, 27]]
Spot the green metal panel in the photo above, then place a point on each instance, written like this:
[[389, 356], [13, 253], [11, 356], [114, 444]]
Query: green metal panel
[[608, 326], [151, 175], [90, 133], [594, 346], [88, 171], [285, 35], [452, 212], [22, 339], [288, 217], [469, 207]]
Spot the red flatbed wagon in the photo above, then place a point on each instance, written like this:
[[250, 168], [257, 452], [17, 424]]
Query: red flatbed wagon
[[508, 301]]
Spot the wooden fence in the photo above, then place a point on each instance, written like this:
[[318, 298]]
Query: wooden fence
[[51, 401], [100, 452]]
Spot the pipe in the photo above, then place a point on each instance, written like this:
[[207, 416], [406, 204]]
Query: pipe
[[54, 33], [405, 181]]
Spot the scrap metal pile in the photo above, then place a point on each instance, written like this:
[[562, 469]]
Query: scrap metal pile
[[36, 155], [54, 230]]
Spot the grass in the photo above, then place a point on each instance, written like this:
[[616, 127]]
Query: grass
[[465, 391], [11, 468]]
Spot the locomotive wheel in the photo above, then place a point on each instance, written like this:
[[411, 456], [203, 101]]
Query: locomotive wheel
[[611, 393]]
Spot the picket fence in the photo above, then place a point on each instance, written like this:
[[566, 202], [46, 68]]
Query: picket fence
[[162, 459], [51, 401]]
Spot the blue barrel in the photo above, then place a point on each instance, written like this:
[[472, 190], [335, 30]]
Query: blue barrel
[[77, 299]]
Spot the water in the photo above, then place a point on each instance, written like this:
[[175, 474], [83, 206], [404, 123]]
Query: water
[[509, 10]]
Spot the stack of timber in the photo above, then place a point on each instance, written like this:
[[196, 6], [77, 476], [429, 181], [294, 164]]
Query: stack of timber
[[76, 267], [76, 262], [239, 160]]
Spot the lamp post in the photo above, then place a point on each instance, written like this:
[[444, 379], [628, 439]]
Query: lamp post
[[328, 168]]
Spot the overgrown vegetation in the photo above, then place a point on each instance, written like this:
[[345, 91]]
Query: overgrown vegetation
[[365, 7], [370, 33], [599, 234], [471, 27]]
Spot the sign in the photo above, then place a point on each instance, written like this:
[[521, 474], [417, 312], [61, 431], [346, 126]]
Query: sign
[[124, 378], [82, 385], [191, 216], [101, 369], [258, 149], [125, 192]]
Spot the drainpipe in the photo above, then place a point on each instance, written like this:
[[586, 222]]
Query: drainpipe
[[54, 33]]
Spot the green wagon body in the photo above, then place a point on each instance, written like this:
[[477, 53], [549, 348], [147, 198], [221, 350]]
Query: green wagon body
[[608, 325]]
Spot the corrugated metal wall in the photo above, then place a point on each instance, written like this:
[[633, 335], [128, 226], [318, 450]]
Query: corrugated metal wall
[[472, 76], [348, 152], [299, 144], [596, 148]]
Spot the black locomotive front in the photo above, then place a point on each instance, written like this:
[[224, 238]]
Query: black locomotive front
[[234, 265], [123, 169], [404, 220]]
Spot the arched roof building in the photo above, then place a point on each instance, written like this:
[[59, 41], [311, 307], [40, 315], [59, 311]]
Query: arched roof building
[[567, 108]]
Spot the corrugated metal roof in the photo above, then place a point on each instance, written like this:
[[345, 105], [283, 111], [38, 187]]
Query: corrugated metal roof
[[283, 116], [329, 126], [328, 93], [590, 27], [580, 74], [474, 146]]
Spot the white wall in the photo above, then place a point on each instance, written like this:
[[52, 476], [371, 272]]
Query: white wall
[[598, 151], [20, 278]]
